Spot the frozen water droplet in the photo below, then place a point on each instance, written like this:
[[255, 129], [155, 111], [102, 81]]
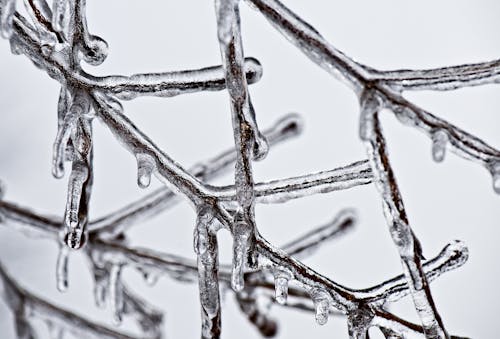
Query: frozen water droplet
[[7, 15], [321, 301], [145, 167], [439, 141], [495, 174], [62, 268], [281, 287], [95, 50], [116, 293], [58, 14]]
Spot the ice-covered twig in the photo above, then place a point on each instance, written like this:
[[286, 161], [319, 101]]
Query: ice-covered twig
[[395, 214], [57, 44], [249, 142], [440, 79], [388, 85], [105, 253], [308, 243], [117, 222], [397, 326], [126, 87], [26, 305]]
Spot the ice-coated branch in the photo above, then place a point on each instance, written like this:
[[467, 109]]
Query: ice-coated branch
[[25, 305], [441, 79], [26, 41], [309, 243], [397, 220], [388, 84], [117, 222], [57, 39], [249, 142], [152, 264], [445, 135]]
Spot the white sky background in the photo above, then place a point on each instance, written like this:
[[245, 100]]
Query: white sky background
[[446, 201]]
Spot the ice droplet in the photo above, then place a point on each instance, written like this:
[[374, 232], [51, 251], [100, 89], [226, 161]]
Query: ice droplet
[[58, 14], [116, 293], [145, 167], [281, 287], [495, 174], [439, 141], [95, 50], [321, 301], [62, 268], [7, 15]]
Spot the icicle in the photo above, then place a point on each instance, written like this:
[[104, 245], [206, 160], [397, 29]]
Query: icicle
[[62, 268], [60, 144], [7, 15], [101, 288], [79, 175], [116, 293], [281, 287], [145, 167], [439, 141], [241, 239], [58, 14], [321, 301], [495, 173], [68, 119]]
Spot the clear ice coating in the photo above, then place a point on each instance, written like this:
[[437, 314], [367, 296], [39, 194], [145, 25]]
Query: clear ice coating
[[439, 141], [322, 304], [56, 39], [145, 167], [281, 287]]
